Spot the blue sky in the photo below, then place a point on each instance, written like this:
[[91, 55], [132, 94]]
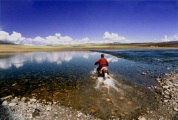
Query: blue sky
[[89, 20]]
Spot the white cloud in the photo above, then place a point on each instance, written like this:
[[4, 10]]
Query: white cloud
[[15, 36], [66, 39], [171, 38], [85, 40], [58, 35], [38, 39], [113, 36], [58, 39], [3, 35], [52, 40]]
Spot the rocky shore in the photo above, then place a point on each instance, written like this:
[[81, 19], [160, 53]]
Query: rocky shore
[[32, 109], [168, 90]]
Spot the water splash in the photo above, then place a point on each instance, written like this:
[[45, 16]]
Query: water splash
[[110, 83], [117, 92], [106, 81]]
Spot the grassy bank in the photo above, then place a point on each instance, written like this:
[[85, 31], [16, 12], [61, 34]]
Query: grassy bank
[[24, 48]]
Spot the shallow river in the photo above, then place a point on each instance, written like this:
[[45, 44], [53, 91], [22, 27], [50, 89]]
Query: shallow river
[[69, 78]]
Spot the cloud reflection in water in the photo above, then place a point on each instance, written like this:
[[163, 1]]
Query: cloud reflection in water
[[51, 57]]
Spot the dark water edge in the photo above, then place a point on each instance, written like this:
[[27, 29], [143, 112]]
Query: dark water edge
[[145, 66], [169, 57]]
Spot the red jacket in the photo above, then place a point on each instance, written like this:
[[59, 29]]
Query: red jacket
[[102, 62]]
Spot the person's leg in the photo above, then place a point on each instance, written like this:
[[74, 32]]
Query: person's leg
[[99, 68]]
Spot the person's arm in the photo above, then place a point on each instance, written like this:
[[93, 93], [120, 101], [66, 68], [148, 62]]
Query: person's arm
[[97, 62]]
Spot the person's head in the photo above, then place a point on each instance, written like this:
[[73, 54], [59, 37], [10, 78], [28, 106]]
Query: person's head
[[102, 55]]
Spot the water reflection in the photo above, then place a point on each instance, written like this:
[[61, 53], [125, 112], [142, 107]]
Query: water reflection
[[65, 77], [54, 57]]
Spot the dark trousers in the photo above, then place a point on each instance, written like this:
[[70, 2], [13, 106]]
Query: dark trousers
[[99, 68]]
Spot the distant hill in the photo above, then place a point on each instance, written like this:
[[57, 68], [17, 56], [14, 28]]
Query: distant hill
[[6, 43], [160, 44], [150, 44], [174, 41], [117, 44]]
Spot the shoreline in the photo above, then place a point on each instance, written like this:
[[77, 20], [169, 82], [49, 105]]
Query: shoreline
[[14, 49], [31, 108], [167, 88]]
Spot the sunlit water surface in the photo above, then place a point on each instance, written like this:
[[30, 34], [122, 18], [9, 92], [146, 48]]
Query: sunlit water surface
[[69, 78]]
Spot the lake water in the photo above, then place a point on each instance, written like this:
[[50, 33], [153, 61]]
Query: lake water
[[69, 78], [155, 63]]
